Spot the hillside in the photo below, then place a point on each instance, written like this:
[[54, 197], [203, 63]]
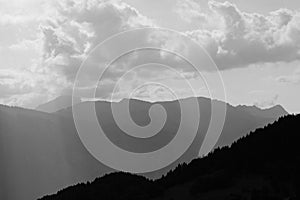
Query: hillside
[[263, 165]]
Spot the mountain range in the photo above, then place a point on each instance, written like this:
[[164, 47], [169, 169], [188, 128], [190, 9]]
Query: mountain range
[[264, 165], [57, 104], [41, 152]]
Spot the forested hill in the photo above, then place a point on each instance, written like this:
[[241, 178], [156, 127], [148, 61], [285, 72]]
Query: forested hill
[[263, 165]]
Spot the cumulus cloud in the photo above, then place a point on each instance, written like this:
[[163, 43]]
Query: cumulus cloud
[[190, 10], [79, 27], [250, 38]]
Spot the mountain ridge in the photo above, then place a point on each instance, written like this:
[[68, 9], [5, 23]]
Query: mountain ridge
[[78, 100], [41, 146], [57, 104]]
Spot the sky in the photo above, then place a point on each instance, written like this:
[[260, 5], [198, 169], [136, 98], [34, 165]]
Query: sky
[[254, 44]]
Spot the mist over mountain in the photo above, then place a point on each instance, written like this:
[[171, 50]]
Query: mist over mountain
[[254, 167], [44, 149]]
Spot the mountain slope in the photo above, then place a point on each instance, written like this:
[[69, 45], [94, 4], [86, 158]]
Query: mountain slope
[[263, 165], [40, 152], [275, 111], [45, 150], [57, 104]]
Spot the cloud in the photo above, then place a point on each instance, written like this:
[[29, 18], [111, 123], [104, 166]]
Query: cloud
[[152, 92], [25, 45], [250, 38], [190, 10], [23, 87], [79, 27], [293, 79], [17, 82], [267, 103], [7, 19]]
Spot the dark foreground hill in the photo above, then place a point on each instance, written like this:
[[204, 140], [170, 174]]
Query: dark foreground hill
[[263, 165]]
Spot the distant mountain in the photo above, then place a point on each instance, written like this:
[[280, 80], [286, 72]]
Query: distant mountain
[[275, 111], [57, 104], [39, 153], [45, 150], [264, 165]]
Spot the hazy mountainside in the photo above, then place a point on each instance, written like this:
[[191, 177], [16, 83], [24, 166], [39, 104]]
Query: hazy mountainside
[[44, 149], [57, 104], [276, 111], [39, 153], [239, 121], [264, 165]]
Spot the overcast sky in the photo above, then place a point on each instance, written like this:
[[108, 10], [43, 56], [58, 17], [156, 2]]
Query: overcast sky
[[255, 44]]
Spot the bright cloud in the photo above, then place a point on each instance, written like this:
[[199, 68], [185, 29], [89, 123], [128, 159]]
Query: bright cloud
[[267, 103], [250, 38], [190, 10]]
